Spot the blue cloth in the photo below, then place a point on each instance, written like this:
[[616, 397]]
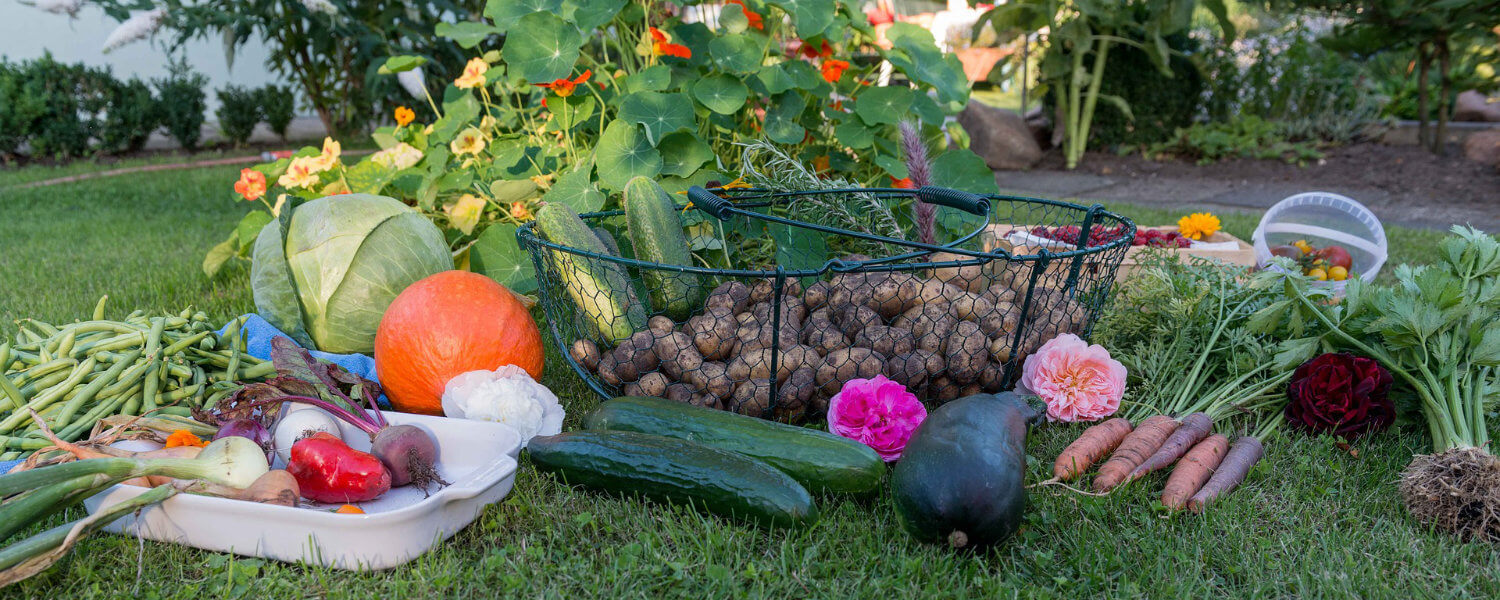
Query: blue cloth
[[259, 333], [5, 465]]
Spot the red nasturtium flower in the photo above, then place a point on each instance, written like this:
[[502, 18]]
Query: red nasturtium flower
[[1342, 394], [821, 50], [661, 45], [833, 69], [820, 164], [903, 183], [837, 105], [252, 185], [564, 87], [756, 22]]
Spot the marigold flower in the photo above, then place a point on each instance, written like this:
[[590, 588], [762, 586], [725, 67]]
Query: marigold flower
[[464, 214], [1197, 226], [519, 211], [756, 22], [183, 437], [404, 115], [661, 46], [473, 75], [833, 69], [252, 184], [469, 141], [301, 173], [564, 87]]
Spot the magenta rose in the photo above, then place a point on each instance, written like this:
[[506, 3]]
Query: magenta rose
[[878, 413], [1342, 394]]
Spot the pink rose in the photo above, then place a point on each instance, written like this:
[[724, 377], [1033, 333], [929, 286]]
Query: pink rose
[[1078, 382], [878, 413]]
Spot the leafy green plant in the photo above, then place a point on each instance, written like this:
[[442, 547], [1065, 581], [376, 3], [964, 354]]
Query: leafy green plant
[[133, 114], [239, 111], [183, 102], [1243, 137], [1174, 96], [278, 106]]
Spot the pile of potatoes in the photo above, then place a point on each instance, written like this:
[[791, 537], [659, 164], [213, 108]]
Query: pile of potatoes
[[943, 334]]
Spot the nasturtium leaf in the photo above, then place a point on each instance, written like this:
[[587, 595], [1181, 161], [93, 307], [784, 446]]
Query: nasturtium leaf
[[926, 109], [220, 254], [700, 178], [650, 79], [590, 14], [249, 227], [383, 138], [682, 153], [467, 34], [915, 52], [508, 13], [883, 105], [781, 119], [507, 152], [542, 47], [511, 190], [803, 74], [798, 248], [460, 109], [497, 255], [734, 21], [739, 53], [721, 93], [775, 79], [854, 134], [963, 170], [811, 16], [892, 166], [577, 190], [660, 113], [568, 112], [400, 64], [623, 152], [454, 181], [367, 177]]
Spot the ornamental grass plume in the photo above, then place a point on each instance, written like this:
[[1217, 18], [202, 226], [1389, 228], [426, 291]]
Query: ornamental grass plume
[[919, 173], [138, 27]]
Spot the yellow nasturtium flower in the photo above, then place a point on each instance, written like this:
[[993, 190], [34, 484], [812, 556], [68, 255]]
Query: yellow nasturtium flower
[[469, 141], [464, 214], [301, 173], [473, 75], [330, 156], [519, 211]]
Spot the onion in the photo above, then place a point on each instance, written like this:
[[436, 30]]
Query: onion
[[249, 429]]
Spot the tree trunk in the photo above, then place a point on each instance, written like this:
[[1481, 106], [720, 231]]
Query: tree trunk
[[1422, 60], [1444, 90]]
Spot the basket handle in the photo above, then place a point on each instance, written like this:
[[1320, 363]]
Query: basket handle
[[964, 201], [710, 203]]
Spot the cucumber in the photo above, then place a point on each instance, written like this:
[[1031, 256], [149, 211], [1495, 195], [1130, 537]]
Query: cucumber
[[656, 234], [821, 462], [721, 482], [609, 241], [600, 289]]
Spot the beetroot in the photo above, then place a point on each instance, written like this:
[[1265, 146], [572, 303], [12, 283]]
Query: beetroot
[[328, 470], [409, 454]]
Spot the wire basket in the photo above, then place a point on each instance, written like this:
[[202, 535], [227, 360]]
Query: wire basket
[[796, 309]]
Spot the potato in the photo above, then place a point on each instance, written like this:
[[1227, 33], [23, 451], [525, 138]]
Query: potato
[[913, 369], [636, 355], [851, 319], [974, 275], [677, 354], [1000, 347], [824, 337], [732, 295], [661, 324], [586, 353], [752, 398], [967, 352], [850, 363], [930, 323], [680, 392], [608, 370], [888, 293], [711, 378], [792, 311], [713, 332], [756, 364], [707, 401], [793, 396], [990, 378], [816, 295], [943, 389], [851, 289], [653, 384], [970, 306], [886, 340], [1000, 321], [1002, 293]]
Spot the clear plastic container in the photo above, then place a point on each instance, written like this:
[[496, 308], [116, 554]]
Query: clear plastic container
[[1324, 219]]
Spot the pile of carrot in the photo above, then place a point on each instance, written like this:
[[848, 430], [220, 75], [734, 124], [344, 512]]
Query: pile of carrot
[[1207, 467]]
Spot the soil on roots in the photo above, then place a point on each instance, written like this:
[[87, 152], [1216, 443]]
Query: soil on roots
[[1457, 491]]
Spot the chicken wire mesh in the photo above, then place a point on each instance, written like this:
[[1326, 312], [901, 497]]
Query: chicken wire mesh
[[777, 314]]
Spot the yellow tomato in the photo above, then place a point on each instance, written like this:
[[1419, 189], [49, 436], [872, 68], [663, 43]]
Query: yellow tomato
[[1338, 273], [1318, 274]]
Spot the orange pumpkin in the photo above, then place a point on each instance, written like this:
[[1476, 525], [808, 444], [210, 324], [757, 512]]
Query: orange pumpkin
[[447, 324]]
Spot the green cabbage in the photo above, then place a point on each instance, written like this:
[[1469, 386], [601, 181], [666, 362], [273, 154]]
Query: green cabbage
[[325, 272]]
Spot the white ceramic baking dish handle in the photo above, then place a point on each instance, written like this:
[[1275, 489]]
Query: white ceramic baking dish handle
[[480, 480]]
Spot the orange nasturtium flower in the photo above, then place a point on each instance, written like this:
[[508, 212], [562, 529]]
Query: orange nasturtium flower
[[252, 184], [820, 164], [811, 51], [350, 509], [833, 69], [903, 183], [519, 211], [404, 115], [564, 87], [661, 46], [756, 22], [183, 437], [473, 75]]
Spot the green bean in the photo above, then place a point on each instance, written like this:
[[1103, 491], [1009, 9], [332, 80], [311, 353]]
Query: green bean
[[174, 411], [173, 396], [174, 369], [27, 336], [153, 379], [119, 342], [43, 327], [42, 369], [52, 394], [93, 388], [234, 356], [99, 307], [32, 388], [131, 377], [20, 443], [110, 407], [185, 343], [65, 344], [12, 455], [4, 357], [102, 326]]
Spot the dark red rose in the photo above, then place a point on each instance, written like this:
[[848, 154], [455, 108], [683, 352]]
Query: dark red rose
[[1342, 394]]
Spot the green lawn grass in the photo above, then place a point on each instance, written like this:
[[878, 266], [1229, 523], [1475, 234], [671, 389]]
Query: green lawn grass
[[1312, 521]]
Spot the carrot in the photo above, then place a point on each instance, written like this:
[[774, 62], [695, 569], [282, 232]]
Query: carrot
[[1095, 442], [1194, 469], [1192, 430], [1243, 455], [1141, 443]]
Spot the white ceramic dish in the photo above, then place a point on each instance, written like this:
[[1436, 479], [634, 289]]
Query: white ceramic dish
[[479, 459]]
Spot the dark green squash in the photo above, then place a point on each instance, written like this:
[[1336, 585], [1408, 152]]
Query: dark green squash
[[961, 478]]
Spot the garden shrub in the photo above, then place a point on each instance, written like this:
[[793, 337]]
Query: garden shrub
[[1246, 136], [1161, 103], [239, 111], [132, 116], [278, 106], [183, 102]]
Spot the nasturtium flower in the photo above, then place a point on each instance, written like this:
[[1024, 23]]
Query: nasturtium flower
[[821, 50], [661, 45], [301, 173], [564, 87], [473, 75], [903, 183], [833, 69], [252, 184], [464, 214], [329, 158], [469, 141], [183, 437], [820, 164], [1197, 226], [397, 157], [519, 211], [756, 22], [404, 115]]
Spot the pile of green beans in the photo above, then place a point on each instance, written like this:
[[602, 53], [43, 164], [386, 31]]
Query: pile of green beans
[[73, 375]]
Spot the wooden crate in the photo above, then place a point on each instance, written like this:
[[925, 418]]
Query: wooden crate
[[1242, 254]]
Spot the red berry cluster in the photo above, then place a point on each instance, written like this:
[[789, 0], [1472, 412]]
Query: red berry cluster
[[1102, 235], [1160, 239]]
